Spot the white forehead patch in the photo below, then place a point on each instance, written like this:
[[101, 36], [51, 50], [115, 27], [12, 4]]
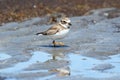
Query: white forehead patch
[[66, 20]]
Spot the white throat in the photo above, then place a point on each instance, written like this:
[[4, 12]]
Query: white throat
[[65, 26]]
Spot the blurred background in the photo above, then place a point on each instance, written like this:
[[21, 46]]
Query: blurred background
[[18, 10]]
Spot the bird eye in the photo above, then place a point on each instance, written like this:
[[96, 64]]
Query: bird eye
[[63, 22]]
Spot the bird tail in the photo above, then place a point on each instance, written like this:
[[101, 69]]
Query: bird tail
[[43, 33], [39, 33]]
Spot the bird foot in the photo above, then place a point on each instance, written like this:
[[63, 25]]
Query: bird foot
[[61, 43], [58, 44]]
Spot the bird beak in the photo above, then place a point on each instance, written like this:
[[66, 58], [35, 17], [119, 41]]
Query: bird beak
[[68, 27], [70, 24]]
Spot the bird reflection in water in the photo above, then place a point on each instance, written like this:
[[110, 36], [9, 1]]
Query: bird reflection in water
[[57, 55]]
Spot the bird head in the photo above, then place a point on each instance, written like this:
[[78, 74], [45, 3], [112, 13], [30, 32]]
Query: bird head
[[65, 22]]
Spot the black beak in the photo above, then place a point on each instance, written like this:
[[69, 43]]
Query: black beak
[[70, 24], [68, 27]]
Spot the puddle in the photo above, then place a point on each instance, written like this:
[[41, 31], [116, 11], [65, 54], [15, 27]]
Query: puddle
[[19, 67], [44, 78], [80, 65], [115, 62], [4, 56], [47, 77], [39, 56]]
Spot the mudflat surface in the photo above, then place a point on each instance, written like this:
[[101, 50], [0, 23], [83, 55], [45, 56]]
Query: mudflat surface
[[91, 51]]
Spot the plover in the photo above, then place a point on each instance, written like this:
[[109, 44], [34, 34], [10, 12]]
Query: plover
[[58, 30]]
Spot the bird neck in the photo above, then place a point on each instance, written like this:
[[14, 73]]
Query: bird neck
[[62, 25]]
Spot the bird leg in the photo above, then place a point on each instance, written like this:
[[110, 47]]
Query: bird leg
[[57, 43], [54, 43]]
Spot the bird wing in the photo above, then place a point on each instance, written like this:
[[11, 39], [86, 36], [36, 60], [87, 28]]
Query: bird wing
[[53, 30]]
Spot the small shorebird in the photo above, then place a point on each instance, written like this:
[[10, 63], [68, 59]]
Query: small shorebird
[[58, 30]]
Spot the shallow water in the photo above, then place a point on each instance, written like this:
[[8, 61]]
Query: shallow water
[[36, 57], [79, 65], [4, 56]]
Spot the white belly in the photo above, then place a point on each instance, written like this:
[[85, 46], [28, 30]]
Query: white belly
[[60, 34]]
